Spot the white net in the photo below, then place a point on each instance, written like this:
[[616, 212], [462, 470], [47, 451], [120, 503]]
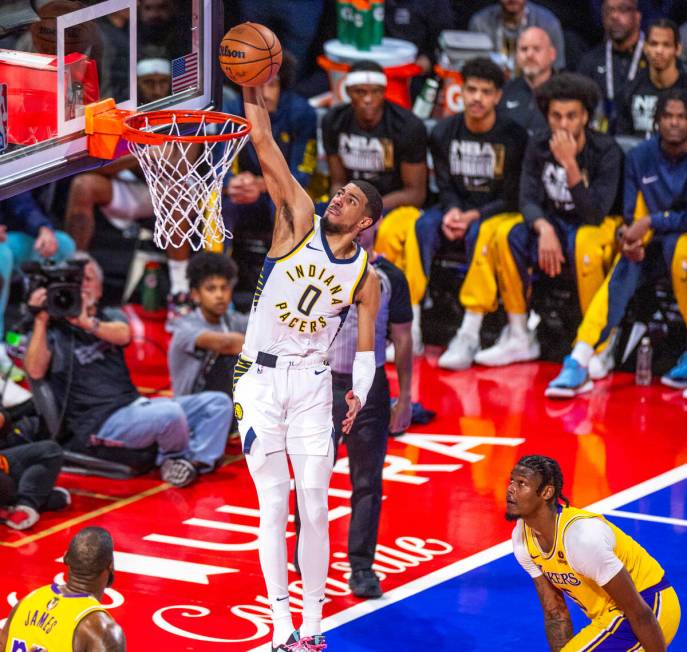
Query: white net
[[185, 178]]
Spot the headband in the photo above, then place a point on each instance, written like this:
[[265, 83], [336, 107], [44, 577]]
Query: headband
[[153, 67], [360, 77]]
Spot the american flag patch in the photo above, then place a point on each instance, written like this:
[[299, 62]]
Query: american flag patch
[[184, 72]]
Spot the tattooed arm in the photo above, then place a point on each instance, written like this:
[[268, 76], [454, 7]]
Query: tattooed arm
[[556, 615]]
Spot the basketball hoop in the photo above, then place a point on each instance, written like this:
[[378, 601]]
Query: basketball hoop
[[185, 156]]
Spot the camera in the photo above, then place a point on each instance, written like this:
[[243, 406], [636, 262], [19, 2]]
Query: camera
[[63, 283]]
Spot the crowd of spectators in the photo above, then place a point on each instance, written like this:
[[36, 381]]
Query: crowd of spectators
[[567, 162]]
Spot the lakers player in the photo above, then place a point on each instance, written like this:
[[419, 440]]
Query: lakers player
[[617, 584], [313, 272], [69, 617]]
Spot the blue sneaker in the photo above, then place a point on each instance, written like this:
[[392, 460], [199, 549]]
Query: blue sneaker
[[677, 376], [573, 380]]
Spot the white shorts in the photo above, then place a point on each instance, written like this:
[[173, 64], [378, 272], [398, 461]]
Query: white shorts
[[130, 200], [286, 407]]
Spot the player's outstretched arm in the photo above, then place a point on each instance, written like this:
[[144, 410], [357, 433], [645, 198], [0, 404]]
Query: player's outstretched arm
[[294, 207], [557, 621], [364, 366], [642, 619]]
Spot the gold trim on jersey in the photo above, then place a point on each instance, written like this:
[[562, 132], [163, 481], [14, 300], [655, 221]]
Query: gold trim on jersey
[[308, 236], [363, 269]]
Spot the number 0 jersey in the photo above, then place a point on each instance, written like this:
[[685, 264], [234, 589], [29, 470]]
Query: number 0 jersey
[[302, 298]]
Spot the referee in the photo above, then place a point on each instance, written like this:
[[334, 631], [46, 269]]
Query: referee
[[367, 440]]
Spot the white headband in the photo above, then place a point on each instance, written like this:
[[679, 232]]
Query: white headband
[[153, 67], [370, 77]]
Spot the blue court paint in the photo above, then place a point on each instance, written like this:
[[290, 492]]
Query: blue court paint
[[495, 607]]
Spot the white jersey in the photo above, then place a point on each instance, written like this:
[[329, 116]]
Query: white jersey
[[302, 299]]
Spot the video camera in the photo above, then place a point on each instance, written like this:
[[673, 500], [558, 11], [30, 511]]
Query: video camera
[[63, 283]]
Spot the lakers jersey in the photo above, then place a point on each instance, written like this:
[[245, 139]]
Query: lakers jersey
[[644, 570], [302, 298], [46, 619]]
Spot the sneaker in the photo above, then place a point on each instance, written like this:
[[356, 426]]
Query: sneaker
[[571, 381], [178, 305], [677, 376], [460, 353], [22, 517], [178, 472], [365, 584], [293, 639], [509, 349], [315, 643], [59, 498], [601, 364]]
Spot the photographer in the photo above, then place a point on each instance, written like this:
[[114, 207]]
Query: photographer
[[82, 359], [206, 343], [26, 233]]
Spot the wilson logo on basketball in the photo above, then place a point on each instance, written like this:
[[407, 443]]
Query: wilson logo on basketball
[[227, 52]]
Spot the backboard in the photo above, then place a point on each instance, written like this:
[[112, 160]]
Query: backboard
[[56, 56]]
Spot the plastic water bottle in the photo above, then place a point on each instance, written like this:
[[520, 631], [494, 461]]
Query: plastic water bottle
[[425, 101], [151, 296], [643, 368]]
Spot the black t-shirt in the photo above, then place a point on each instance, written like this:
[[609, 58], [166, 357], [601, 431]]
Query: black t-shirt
[[519, 104], [100, 381], [638, 105], [375, 155], [478, 170], [544, 188]]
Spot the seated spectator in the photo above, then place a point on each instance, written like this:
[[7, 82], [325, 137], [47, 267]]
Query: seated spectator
[[82, 359], [477, 157], [535, 57], [653, 245], [378, 141], [27, 481], [615, 63], [207, 342], [26, 233], [248, 206], [639, 98], [505, 20], [568, 186]]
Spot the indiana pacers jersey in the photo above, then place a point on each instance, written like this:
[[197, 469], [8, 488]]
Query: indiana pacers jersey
[[46, 619], [302, 298], [644, 570]]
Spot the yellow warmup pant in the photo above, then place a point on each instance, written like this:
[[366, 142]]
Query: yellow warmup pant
[[396, 241], [610, 302], [618, 635], [589, 248]]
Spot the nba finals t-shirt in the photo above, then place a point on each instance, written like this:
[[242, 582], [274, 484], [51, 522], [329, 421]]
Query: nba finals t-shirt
[[375, 155], [478, 170], [638, 105]]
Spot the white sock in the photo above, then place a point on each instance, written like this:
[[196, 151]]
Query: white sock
[[177, 276], [281, 621], [582, 353], [518, 323], [472, 323]]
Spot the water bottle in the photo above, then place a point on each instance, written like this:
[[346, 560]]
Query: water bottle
[[377, 22], [643, 369], [151, 297], [424, 102]]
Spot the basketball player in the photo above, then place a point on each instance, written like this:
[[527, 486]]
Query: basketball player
[[313, 272], [617, 584], [69, 616]]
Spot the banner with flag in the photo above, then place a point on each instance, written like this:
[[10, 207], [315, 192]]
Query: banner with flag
[[184, 72]]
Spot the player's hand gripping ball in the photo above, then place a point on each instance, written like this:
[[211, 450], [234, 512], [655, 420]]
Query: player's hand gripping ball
[[250, 54]]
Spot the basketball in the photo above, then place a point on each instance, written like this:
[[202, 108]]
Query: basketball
[[250, 54]]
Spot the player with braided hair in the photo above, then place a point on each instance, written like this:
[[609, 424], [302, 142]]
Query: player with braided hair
[[618, 585]]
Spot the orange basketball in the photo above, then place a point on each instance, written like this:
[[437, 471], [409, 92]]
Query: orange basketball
[[250, 54]]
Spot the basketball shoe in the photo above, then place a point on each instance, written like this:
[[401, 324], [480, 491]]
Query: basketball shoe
[[289, 645]]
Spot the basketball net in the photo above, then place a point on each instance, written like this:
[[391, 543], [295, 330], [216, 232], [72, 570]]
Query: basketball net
[[185, 156]]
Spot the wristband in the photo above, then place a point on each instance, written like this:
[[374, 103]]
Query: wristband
[[364, 369], [95, 325]]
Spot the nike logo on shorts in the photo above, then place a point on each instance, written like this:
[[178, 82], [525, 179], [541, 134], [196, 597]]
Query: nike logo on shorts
[[648, 180], [321, 371], [286, 597], [308, 246]]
